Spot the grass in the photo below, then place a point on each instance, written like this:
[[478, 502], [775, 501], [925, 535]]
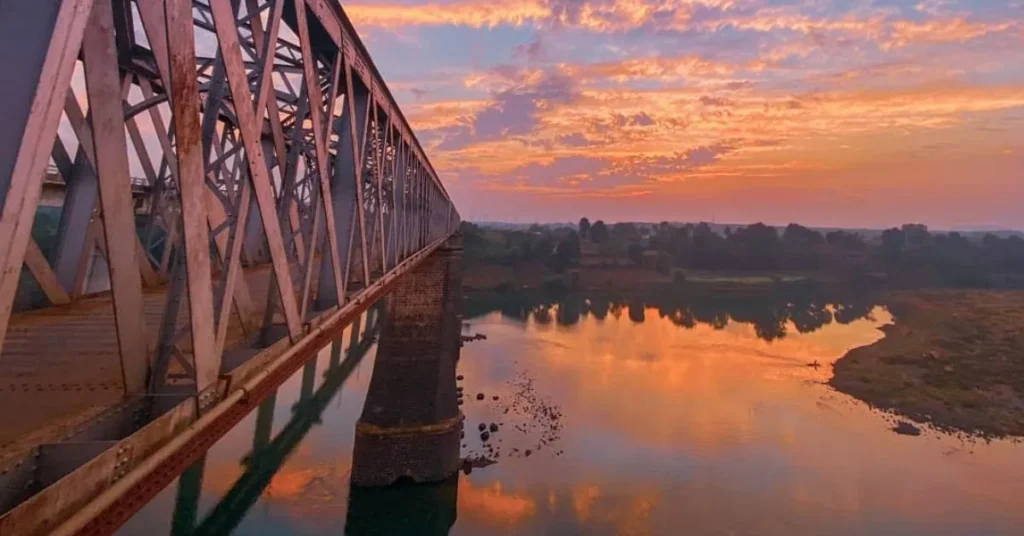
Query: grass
[[743, 279], [953, 358], [483, 276]]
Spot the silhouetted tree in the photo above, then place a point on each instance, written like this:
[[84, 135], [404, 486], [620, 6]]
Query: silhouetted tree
[[915, 234], [584, 227], [567, 252], [599, 232], [625, 233], [798, 236], [803, 246], [756, 246], [844, 240], [893, 241]]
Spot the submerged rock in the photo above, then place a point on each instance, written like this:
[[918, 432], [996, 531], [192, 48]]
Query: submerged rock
[[905, 428]]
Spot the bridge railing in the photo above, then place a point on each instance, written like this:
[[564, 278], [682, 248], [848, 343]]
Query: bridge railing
[[266, 136], [285, 192]]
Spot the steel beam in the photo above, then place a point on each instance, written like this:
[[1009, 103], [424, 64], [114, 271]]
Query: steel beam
[[46, 38], [102, 82], [230, 97]]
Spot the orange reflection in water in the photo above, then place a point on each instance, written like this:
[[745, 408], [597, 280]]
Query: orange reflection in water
[[717, 429], [492, 506], [666, 430]]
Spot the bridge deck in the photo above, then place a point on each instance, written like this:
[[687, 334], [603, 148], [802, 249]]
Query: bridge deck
[[60, 365]]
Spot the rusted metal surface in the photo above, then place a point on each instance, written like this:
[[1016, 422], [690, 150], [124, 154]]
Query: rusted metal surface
[[179, 450], [204, 134], [54, 379], [111, 163]]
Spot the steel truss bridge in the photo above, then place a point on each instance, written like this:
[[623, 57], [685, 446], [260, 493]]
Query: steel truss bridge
[[238, 184]]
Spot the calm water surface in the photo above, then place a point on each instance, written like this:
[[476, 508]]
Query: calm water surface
[[666, 421]]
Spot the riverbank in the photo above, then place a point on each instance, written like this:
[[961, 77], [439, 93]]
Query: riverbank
[[488, 277], [953, 359]]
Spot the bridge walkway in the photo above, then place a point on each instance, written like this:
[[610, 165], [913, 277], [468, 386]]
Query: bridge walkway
[[60, 365]]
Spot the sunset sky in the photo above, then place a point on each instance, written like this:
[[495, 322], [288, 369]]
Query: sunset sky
[[824, 112]]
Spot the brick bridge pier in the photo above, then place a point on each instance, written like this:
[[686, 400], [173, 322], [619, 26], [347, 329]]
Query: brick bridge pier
[[411, 425]]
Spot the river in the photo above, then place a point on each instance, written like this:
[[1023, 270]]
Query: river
[[614, 419]]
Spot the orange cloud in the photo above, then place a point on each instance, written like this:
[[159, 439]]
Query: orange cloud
[[619, 15], [472, 14], [956, 30]]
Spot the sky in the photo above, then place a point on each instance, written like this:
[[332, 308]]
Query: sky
[[824, 112]]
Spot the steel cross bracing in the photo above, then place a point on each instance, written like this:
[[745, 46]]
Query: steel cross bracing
[[197, 140]]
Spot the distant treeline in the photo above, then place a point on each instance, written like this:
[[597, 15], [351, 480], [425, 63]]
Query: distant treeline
[[907, 255]]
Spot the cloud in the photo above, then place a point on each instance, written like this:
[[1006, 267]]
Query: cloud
[[485, 14], [511, 112], [622, 99], [889, 26], [655, 167], [635, 120], [531, 52], [665, 69], [714, 101], [573, 140]]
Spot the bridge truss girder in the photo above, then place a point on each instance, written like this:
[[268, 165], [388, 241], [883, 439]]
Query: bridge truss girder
[[264, 134]]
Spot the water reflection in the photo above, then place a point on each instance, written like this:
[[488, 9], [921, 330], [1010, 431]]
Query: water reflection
[[771, 312], [720, 428], [403, 510], [267, 456]]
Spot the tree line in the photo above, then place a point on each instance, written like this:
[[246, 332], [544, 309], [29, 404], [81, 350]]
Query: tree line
[[910, 253]]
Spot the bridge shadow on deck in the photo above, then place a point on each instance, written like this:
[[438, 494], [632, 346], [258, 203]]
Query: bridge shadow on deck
[[60, 366]]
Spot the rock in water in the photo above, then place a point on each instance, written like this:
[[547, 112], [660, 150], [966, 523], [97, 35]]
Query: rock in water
[[493, 427], [484, 436], [479, 396], [905, 428]]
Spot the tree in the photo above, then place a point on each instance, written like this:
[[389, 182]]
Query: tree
[[800, 237], [756, 246], [803, 246], [845, 241], [567, 251], [625, 232], [916, 234], [584, 227], [893, 241], [599, 232]]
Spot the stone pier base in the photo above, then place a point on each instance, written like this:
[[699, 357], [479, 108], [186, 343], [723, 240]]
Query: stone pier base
[[410, 428]]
